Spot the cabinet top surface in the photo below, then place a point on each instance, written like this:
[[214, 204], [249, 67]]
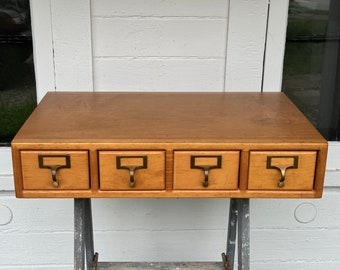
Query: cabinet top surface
[[106, 117]]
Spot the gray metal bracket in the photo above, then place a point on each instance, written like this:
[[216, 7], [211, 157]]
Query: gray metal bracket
[[84, 256], [239, 223]]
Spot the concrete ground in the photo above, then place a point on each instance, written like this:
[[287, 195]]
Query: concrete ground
[[162, 266]]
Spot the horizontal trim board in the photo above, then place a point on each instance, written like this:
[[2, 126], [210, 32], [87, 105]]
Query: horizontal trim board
[[333, 158], [58, 266], [297, 265], [270, 245], [6, 183], [5, 161], [41, 216], [159, 75], [174, 17], [155, 58], [151, 37], [35, 249], [160, 8]]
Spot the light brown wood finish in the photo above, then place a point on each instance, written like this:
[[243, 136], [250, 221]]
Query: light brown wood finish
[[245, 124], [299, 178], [152, 177], [188, 178], [76, 177]]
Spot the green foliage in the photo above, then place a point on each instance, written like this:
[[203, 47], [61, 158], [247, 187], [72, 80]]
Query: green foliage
[[307, 27], [12, 117], [306, 38], [303, 58]]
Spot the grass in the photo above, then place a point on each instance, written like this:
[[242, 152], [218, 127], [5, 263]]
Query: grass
[[304, 56], [307, 27], [305, 44], [12, 117]]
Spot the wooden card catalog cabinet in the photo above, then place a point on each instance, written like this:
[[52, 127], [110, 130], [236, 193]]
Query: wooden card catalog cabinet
[[240, 145]]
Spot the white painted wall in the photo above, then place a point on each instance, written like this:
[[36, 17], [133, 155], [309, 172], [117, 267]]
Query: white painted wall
[[164, 45], [170, 47]]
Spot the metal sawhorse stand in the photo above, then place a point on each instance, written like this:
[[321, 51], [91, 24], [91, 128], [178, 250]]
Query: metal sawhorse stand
[[239, 224]]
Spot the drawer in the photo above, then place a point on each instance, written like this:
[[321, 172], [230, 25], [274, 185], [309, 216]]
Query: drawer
[[132, 170], [285, 170], [215, 170], [55, 170]]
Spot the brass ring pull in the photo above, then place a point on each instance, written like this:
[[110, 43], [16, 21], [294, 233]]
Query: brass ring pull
[[206, 168], [54, 168], [132, 168], [282, 168]]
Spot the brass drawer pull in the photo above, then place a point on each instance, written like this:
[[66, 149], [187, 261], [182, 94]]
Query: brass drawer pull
[[282, 168], [205, 167], [55, 167], [132, 168]]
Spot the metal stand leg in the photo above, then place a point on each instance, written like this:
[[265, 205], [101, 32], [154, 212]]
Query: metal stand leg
[[84, 257], [231, 240], [243, 234], [239, 220]]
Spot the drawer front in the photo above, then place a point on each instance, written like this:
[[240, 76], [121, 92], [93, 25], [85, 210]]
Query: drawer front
[[132, 170], [206, 170], [281, 170], [55, 170]]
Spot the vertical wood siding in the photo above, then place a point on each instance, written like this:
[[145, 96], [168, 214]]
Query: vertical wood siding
[[71, 27], [246, 45], [169, 47]]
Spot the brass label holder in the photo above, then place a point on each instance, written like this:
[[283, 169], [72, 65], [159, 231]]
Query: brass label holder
[[282, 168], [132, 168], [206, 168], [55, 167]]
